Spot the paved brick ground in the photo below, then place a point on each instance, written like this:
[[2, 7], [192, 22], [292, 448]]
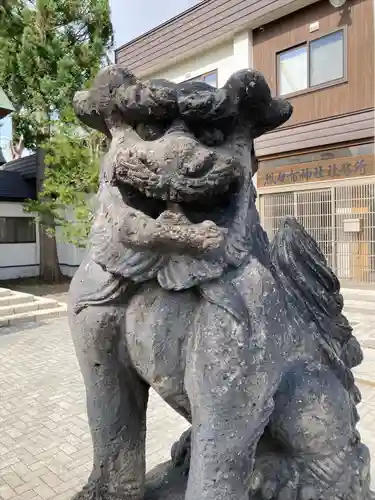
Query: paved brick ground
[[45, 449]]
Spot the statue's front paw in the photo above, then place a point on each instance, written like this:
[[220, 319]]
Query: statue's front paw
[[275, 477]]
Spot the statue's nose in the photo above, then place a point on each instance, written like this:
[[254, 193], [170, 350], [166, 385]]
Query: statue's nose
[[191, 158]]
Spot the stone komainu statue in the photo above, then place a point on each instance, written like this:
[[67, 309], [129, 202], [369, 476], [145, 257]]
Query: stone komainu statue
[[182, 292]]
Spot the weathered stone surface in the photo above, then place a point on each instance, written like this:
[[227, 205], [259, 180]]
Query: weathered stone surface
[[181, 291], [166, 482]]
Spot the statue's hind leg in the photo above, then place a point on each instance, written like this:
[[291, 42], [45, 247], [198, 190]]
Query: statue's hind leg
[[116, 404], [313, 427], [230, 386]]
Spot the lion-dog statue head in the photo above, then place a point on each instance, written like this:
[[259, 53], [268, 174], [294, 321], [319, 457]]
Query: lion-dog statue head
[[184, 146]]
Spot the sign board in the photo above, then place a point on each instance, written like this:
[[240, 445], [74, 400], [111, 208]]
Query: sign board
[[323, 170], [352, 225], [314, 27]]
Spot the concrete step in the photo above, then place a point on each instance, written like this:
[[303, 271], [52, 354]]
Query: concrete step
[[31, 305], [18, 307], [30, 316], [16, 298], [5, 292]]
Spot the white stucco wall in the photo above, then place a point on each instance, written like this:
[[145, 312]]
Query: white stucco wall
[[219, 59], [68, 254], [21, 260], [18, 260], [226, 58]]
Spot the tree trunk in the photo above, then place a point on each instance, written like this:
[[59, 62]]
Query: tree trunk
[[49, 267]]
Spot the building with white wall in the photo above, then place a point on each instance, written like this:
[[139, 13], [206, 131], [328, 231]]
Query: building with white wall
[[19, 242], [19, 231]]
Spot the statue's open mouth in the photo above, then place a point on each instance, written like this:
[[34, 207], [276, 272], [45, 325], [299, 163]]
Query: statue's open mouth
[[178, 180]]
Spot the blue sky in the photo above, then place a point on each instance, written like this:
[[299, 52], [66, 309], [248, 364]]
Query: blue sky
[[130, 18]]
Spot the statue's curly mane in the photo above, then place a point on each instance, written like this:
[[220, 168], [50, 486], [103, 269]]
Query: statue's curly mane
[[149, 107], [313, 288], [305, 274]]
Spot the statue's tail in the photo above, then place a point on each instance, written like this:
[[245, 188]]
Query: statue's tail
[[314, 290]]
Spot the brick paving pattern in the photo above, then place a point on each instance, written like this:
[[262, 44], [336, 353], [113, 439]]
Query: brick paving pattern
[[45, 448]]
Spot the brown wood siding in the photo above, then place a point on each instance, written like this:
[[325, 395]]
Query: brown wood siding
[[346, 128], [196, 29], [358, 92]]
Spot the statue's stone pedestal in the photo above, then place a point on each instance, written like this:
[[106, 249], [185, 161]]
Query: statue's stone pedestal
[[166, 482]]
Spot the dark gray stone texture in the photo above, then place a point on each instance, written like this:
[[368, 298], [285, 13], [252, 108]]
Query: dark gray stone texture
[[182, 291]]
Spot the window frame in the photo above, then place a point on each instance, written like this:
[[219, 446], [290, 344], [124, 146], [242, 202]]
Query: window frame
[[18, 241], [200, 77], [321, 86]]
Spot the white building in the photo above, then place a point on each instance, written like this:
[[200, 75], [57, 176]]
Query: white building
[[19, 232]]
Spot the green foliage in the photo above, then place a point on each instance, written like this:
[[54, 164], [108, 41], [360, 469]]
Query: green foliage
[[49, 49], [77, 152]]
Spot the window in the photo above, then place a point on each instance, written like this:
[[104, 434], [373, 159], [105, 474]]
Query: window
[[327, 59], [210, 78], [293, 70], [311, 64], [17, 230]]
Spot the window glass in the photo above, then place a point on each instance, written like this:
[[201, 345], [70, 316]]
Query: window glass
[[7, 230], [327, 58], [293, 70], [17, 230], [209, 78], [25, 230]]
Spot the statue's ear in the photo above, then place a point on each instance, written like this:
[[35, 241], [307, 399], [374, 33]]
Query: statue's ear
[[256, 105], [97, 103], [88, 112], [268, 116]]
